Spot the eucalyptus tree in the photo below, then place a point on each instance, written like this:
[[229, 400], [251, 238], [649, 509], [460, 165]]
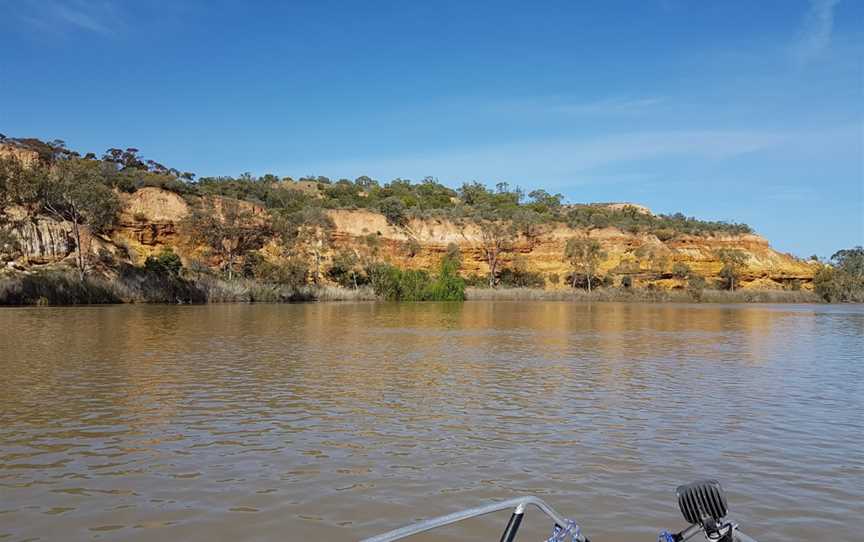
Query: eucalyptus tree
[[74, 191], [584, 256], [733, 261], [230, 229]]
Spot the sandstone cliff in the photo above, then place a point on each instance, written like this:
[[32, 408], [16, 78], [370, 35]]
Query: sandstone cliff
[[151, 220]]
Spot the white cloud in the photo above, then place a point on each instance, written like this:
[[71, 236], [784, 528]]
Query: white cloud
[[607, 106], [98, 17], [559, 160], [816, 35], [558, 106]]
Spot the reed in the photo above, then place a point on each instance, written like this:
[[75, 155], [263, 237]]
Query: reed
[[641, 295], [62, 287]]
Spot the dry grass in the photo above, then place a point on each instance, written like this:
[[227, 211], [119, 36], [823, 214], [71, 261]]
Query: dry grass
[[336, 293], [60, 286], [642, 296], [56, 288]]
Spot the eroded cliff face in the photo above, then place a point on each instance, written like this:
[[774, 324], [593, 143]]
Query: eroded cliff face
[[643, 257], [151, 220]]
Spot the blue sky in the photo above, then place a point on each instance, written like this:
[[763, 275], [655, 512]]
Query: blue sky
[[743, 111]]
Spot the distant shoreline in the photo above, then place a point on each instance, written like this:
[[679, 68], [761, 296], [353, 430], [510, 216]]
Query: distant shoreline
[[63, 289], [638, 295]]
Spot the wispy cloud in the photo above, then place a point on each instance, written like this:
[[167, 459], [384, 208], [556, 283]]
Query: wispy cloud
[[815, 37], [557, 160], [608, 106], [612, 106], [97, 17]]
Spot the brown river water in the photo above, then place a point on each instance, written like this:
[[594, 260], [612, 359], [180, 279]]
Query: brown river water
[[339, 421]]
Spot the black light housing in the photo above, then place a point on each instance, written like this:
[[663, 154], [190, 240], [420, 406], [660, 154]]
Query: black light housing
[[702, 502]]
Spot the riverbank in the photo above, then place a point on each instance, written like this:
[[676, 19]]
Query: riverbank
[[133, 286], [54, 287], [634, 295]]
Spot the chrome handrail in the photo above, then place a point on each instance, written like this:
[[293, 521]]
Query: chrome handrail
[[518, 504]]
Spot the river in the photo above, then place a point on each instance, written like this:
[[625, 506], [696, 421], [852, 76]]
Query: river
[[338, 421]]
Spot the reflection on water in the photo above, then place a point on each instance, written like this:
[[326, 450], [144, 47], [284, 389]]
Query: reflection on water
[[337, 421]]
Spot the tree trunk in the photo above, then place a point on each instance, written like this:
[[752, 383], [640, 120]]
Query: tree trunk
[[230, 266], [492, 266], [573, 282], [76, 229], [588, 276]]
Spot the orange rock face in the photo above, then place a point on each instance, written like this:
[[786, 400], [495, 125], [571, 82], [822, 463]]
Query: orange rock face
[[643, 257], [151, 220]]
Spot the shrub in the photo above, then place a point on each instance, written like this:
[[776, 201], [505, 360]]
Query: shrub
[[520, 278], [394, 211], [414, 285], [412, 248], [343, 270], [394, 284], [477, 281], [664, 234], [448, 285], [695, 285], [293, 272], [385, 280], [252, 262], [166, 263], [681, 270]]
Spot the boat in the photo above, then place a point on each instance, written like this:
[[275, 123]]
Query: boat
[[702, 503]]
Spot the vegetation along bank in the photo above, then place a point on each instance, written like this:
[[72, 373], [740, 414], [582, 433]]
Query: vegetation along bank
[[121, 228]]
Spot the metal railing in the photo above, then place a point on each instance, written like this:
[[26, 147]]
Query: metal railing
[[518, 505]]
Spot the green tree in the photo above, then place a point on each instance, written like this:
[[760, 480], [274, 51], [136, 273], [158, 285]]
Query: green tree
[[850, 260], [394, 284], [584, 255], [733, 261], [306, 231], [497, 237], [543, 202], [19, 186], [74, 191], [843, 280], [394, 210], [230, 230], [448, 285], [8, 170], [343, 269], [528, 222]]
